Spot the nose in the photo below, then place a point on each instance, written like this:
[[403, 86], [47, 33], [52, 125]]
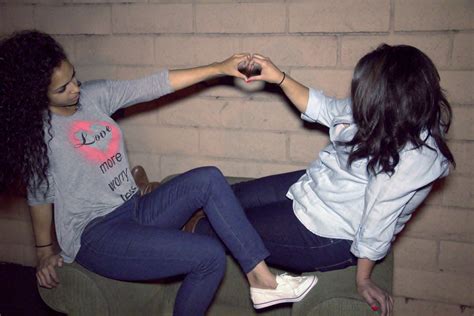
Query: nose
[[76, 86]]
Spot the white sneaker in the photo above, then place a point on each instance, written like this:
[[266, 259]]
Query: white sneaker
[[290, 289]]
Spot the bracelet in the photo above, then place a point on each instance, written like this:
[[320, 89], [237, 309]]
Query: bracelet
[[43, 246], [284, 76]]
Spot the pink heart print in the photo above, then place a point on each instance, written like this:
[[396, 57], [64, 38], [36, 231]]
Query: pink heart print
[[97, 140]]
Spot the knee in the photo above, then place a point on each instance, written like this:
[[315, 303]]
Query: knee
[[213, 258], [209, 174]]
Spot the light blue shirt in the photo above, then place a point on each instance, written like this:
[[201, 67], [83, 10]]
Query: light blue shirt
[[335, 201]]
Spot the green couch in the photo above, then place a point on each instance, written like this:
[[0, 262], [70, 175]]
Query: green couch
[[82, 292]]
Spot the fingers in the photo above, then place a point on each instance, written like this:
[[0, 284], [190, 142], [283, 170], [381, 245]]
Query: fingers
[[242, 54], [45, 280], [46, 274], [255, 78], [371, 301], [259, 57], [383, 307], [240, 61], [385, 301], [53, 275], [376, 297], [243, 59], [390, 304], [378, 300], [255, 67]]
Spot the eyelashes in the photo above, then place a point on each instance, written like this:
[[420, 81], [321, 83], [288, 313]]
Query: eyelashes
[[63, 89]]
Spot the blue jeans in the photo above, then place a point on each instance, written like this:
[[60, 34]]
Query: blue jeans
[[142, 240], [292, 246]]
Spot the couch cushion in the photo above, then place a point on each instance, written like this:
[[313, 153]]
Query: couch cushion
[[16, 233]]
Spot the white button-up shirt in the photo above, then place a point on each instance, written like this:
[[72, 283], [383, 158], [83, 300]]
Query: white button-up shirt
[[335, 201]]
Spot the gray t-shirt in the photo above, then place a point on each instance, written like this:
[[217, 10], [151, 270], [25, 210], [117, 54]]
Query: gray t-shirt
[[89, 174]]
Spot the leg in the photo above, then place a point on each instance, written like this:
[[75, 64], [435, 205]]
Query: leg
[[117, 247], [173, 203], [207, 188], [257, 192], [265, 190], [291, 245]]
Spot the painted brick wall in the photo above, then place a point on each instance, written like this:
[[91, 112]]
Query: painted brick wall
[[249, 131]]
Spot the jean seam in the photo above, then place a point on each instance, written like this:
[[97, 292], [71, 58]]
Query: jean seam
[[138, 204], [127, 257], [303, 247], [334, 265], [252, 258]]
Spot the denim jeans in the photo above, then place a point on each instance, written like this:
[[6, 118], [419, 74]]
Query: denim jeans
[[142, 240], [292, 246]]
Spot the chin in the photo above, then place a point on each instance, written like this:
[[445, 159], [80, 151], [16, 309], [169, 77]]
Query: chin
[[75, 103]]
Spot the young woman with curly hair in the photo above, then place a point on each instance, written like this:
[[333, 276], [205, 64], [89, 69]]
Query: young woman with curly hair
[[58, 139], [386, 149]]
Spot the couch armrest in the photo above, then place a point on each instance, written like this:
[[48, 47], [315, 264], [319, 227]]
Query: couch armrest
[[82, 292], [76, 294]]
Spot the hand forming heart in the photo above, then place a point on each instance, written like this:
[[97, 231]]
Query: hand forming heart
[[249, 69]]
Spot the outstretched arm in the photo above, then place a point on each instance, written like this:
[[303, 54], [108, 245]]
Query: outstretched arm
[[295, 91], [372, 294], [182, 78], [48, 260]]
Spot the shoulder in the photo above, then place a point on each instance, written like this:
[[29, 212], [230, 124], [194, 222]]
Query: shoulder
[[93, 87], [94, 91], [427, 157], [429, 150]]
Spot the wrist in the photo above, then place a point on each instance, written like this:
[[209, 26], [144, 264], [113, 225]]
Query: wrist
[[215, 69], [44, 254], [282, 79], [45, 251], [362, 279], [45, 245]]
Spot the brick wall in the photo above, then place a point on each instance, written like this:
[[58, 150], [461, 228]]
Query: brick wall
[[249, 131]]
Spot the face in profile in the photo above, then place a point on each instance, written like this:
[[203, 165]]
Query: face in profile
[[64, 89]]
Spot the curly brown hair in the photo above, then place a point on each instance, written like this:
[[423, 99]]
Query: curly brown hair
[[27, 61]]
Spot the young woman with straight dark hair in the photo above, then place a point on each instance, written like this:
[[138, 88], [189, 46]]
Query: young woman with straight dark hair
[[386, 149]]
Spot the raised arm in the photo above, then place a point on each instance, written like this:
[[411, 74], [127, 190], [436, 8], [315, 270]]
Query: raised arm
[[48, 259], [182, 78], [295, 91]]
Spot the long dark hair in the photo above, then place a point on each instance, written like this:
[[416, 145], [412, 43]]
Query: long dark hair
[[396, 97], [27, 62]]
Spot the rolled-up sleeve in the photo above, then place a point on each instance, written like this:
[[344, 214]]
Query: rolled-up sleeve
[[386, 197], [322, 109]]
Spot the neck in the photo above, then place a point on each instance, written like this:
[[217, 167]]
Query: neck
[[63, 110]]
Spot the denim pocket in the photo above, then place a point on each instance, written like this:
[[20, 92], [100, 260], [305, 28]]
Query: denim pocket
[[334, 255]]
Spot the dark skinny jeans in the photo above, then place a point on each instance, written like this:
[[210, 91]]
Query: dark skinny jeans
[[292, 246], [142, 240]]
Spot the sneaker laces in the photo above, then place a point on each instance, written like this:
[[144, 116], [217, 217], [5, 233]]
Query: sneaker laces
[[292, 279]]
